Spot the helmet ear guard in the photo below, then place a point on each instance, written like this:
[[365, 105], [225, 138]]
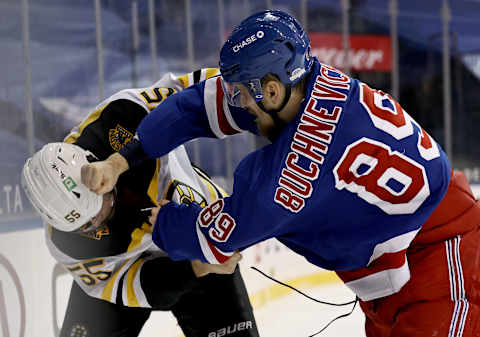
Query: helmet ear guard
[[51, 179]]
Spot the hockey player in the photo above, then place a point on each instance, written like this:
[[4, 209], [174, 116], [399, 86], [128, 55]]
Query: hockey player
[[120, 276], [351, 182]]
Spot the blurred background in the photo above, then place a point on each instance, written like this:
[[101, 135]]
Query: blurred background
[[59, 59]]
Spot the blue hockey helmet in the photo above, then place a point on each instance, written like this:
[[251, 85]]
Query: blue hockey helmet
[[271, 41]]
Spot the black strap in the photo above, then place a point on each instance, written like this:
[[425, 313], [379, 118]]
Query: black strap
[[274, 112], [354, 302]]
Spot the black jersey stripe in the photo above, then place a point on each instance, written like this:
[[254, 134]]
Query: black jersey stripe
[[119, 297], [196, 76]]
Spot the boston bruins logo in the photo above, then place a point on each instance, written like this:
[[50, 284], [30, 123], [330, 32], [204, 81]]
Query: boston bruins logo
[[184, 194], [119, 137]]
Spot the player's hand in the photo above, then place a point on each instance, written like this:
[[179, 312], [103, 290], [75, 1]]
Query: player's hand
[[101, 176], [154, 212], [228, 267]]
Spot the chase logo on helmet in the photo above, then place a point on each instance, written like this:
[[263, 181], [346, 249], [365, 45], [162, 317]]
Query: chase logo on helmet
[[251, 39]]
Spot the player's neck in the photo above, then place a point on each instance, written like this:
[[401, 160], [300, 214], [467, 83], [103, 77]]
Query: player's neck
[[292, 107]]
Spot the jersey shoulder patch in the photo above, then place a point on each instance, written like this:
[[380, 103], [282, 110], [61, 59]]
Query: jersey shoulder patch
[[118, 137]]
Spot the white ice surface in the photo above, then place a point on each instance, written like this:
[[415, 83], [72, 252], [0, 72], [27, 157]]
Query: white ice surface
[[291, 316]]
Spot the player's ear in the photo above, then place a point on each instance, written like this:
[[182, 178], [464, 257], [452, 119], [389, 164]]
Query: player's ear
[[273, 93]]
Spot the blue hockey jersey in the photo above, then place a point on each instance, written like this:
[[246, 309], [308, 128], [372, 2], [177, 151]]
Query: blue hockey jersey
[[348, 184]]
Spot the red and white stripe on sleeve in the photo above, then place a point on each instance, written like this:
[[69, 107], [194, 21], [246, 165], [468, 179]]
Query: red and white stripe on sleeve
[[386, 272], [212, 254], [219, 116]]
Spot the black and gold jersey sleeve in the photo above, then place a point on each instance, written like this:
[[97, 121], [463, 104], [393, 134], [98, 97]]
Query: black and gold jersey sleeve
[[109, 128], [114, 123]]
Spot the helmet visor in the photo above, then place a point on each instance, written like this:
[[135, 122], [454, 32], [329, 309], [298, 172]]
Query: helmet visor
[[235, 92]]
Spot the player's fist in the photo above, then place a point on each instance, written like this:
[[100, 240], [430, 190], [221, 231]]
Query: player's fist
[[101, 176], [228, 267]]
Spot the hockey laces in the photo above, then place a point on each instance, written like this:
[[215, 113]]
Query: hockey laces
[[354, 302]]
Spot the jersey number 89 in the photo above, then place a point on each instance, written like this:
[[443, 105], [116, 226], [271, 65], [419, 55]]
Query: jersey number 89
[[223, 222]]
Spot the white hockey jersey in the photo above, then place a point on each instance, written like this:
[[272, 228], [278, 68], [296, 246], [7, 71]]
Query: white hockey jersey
[[108, 264]]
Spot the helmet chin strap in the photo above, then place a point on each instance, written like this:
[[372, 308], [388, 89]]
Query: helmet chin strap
[[274, 112]]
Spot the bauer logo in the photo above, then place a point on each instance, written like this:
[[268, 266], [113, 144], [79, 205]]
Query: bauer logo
[[251, 39], [296, 73], [231, 329]]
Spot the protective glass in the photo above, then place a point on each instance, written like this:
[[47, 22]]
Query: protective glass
[[233, 91]]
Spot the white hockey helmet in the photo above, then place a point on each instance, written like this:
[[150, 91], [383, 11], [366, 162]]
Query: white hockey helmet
[[51, 179]]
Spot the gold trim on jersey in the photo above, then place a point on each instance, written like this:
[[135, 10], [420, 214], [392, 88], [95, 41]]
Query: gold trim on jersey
[[184, 80], [77, 131], [206, 178], [132, 300], [152, 97], [210, 72], [222, 191], [89, 276], [108, 289], [211, 189], [189, 79], [153, 187], [147, 228], [137, 237]]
